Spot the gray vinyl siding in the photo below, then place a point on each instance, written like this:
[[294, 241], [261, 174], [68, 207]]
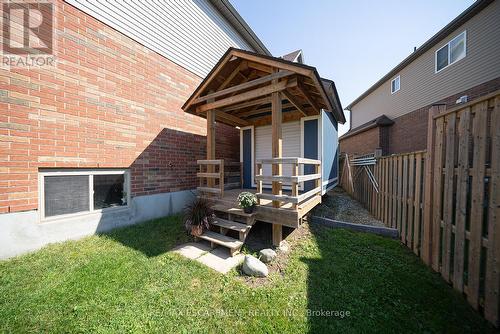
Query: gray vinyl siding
[[421, 86], [191, 33]]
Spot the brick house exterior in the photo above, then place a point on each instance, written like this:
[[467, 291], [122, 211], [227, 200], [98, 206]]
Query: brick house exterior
[[361, 143], [109, 103], [420, 84]]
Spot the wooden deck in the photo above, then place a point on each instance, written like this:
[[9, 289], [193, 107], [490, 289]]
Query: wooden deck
[[285, 215]]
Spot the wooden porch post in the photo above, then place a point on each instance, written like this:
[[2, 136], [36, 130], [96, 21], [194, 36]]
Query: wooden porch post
[[277, 149], [210, 144]]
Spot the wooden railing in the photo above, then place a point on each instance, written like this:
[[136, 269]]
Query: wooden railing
[[233, 175], [216, 176], [211, 177], [294, 180]]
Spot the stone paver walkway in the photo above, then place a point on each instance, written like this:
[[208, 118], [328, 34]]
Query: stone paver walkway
[[218, 258]]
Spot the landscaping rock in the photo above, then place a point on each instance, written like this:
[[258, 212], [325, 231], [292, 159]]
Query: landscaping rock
[[254, 267], [267, 255], [284, 247]]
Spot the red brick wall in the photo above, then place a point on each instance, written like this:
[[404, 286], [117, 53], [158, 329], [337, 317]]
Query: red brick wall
[[110, 102], [409, 132], [362, 143]]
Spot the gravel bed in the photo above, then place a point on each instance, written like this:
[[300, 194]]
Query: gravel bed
[[338, 205]]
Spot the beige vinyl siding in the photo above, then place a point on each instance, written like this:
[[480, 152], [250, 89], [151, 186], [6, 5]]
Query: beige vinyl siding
[[291, 144], [191, 33], [421, 86]]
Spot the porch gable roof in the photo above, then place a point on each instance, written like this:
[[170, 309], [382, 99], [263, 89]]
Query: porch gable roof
[[240, 84]]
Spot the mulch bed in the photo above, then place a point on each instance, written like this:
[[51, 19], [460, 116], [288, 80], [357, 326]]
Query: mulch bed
[[260, 238]]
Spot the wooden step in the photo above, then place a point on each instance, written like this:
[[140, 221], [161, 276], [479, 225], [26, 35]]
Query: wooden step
[[230, 225], [232, 185], [209, 175], [232, 210], [223, 240], [209, 190]]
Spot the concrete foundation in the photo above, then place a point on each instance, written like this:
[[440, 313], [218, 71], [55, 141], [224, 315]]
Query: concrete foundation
[[22, 232]]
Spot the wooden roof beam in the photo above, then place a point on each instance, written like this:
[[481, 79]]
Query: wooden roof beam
[[234, 119], [246, 85], [273, 63], [225, 121], [260, 67], [254, 108], [213, 74], [252, 94], [308, 98], [227, 81], [295, 102], [260, 111], [258, 102]]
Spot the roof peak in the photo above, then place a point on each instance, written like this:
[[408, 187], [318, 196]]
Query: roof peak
[[296, 56]]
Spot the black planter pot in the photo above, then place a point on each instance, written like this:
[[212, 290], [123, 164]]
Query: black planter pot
[[249, 209]]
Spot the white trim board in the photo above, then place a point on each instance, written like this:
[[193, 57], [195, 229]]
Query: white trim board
[[449, 52]]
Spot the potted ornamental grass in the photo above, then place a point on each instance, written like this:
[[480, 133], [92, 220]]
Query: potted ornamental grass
[[247, 201], [197, 216]]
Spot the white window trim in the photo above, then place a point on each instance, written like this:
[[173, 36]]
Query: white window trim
[[449, 52], [65, 172], [399, 86]]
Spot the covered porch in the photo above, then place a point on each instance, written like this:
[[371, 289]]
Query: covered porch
[[246, 89]]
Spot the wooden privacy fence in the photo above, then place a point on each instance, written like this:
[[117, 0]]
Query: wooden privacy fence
[[399, 203], [445, 201]]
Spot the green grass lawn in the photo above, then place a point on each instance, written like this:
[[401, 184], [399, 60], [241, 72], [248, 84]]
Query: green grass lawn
[[128, 281]]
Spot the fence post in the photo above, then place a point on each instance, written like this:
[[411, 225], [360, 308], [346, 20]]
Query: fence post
[[492, 282], [295, 185], [426, 249], [349, 175]]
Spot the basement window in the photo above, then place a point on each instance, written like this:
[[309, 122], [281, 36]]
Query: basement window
[[395, 84], [65, 193], [452, 52]]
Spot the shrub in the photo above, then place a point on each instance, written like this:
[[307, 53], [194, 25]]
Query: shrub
[[198, 215], [246, 199]]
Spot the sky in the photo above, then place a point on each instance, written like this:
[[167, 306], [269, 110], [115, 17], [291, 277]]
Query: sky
[[354, 42]]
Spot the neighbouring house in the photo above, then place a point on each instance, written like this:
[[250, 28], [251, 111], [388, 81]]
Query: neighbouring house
[[288, 118], [295, 56], [458, 64], [100, 140]]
